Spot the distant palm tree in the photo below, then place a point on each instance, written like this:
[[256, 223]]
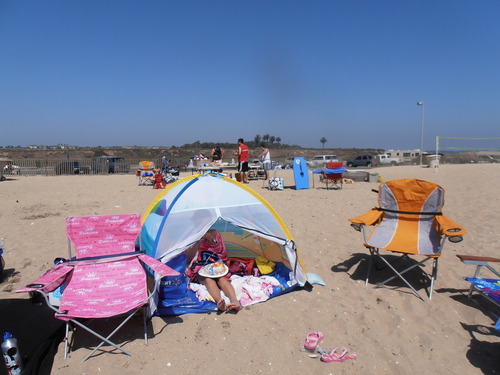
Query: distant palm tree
[[323, 140]]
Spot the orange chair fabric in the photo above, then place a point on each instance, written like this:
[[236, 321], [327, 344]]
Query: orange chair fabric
[[410, 218]]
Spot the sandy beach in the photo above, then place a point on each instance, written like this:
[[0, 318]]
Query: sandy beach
[[391, 330]]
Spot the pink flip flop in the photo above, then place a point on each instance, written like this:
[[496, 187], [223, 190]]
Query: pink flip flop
[[313, 339], [338, 355]]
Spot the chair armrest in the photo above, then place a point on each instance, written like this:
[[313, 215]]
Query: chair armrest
[[158, 266], [479, 262], [369, 218], [471, 259], [49, 281], [447, 227]]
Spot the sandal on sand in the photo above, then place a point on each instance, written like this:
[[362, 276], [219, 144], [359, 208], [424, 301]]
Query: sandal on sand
[[313, 339], [338, 355]]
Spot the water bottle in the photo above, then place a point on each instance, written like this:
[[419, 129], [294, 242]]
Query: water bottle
[[11, 355], [2, 262]]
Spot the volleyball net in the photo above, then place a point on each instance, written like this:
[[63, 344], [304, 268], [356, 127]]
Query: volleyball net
[[459, 144]]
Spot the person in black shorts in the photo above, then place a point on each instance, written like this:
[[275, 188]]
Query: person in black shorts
[[243, 160]]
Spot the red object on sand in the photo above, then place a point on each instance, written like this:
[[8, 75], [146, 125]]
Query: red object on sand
[[313, 339], [159, 181]]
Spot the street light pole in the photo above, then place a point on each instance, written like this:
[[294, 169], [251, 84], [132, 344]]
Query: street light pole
[[421, 104]]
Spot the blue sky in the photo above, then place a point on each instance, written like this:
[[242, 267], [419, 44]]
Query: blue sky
[[98, 72]]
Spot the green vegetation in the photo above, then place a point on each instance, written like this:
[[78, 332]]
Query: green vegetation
[[270, 140]]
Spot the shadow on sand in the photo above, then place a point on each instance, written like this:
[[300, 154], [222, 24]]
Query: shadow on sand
[[482, 354], [39, 333], [357, 267], [36, 330]]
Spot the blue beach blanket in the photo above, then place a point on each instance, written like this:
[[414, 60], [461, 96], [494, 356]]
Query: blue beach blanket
[[489, 286], [330, 171]]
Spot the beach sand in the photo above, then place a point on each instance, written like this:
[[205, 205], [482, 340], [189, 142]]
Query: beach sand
[[391, 330]]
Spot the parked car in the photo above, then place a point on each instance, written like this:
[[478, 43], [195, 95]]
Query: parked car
[[109, 164], [386, 159], [488, 159], [360, 161], [289, 161], [319, 161], [71, 167]]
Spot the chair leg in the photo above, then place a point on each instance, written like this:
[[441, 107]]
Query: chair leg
[[374, 254], [476, 274], [144, 314], [66, 341], [400, 275], [370, 261], [105, 339], [434, 276]]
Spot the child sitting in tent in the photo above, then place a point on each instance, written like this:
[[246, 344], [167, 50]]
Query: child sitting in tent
[[210, 250]]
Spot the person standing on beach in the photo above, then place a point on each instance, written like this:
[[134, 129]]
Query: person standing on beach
[[165, 164], [265, 158], [243, 160]]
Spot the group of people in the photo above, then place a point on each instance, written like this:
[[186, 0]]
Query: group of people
[[217, 155], [211, 242]]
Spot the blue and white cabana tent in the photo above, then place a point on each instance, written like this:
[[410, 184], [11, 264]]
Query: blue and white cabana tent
[[249, 226]]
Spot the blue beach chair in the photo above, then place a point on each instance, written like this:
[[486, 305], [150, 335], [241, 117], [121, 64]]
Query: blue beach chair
[[489, 288]]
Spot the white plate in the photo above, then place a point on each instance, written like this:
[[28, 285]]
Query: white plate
[[213, 272]]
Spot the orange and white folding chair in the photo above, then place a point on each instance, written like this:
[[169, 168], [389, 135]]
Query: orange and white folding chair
[[146, 173], [408, 221], [105, 279]]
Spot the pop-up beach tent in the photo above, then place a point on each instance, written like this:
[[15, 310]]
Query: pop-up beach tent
[[183, 212]]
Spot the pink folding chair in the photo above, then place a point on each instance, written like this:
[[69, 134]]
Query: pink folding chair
[[105, 279]]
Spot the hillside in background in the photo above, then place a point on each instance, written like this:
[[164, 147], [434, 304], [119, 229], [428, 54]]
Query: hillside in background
[[177, 154]]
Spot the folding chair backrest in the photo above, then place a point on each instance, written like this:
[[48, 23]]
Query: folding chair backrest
[[333, 176], [146, 165], [103, 235], [334, 164], [407, 225]]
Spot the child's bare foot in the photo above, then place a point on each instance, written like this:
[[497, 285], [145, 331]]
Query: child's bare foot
[[221, 305], [234, 306]]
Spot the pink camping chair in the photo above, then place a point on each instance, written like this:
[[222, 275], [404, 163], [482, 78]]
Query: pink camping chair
[[105, 279]]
